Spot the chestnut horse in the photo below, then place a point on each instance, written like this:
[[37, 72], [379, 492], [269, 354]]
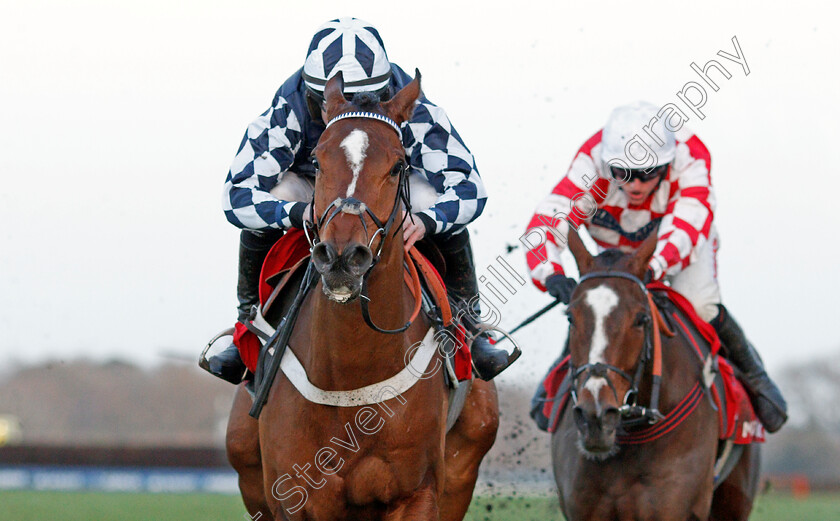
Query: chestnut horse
[[393, 460], [671, 478]]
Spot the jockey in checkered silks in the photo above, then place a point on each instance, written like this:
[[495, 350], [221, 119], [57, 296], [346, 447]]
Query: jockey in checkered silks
[[643, 172], [272, 180]]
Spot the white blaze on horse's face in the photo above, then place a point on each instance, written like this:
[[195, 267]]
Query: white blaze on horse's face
[[355, 148], [602, 300]]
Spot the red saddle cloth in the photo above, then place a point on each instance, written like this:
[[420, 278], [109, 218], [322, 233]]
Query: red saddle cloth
[[285, 253], [737, 418], [291, 249]]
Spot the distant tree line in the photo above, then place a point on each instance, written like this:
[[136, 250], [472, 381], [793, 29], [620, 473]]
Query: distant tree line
[[114, 403]]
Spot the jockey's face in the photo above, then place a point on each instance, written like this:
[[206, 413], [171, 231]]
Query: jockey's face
[[638, 191], [638, 184]]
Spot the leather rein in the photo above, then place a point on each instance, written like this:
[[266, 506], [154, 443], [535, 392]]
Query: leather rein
[[353, 206], [631, 412]]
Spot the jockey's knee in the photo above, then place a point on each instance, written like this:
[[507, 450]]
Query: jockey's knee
[[294, 187], [705, 298], [707, 310], [698, 284], [423, 194]]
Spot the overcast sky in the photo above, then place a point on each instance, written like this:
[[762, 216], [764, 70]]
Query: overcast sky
[[119, 120]]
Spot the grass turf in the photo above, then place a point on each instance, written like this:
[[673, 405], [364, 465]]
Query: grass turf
[[89, 506], [101, 506]]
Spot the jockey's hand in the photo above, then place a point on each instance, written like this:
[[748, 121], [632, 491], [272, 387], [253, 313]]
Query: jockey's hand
[[413, 230], [560, 287]]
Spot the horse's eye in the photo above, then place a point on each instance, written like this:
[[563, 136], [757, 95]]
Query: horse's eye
[[398, 167], [641, 320], [571, 319], [315, 163]]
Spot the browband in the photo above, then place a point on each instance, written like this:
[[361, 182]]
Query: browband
[[368, 115]]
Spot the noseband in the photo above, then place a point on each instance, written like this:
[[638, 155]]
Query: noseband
[[631, 412], [353, 206]]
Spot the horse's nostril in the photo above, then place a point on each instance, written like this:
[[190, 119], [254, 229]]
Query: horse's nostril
[[323, 256], [358, 259]]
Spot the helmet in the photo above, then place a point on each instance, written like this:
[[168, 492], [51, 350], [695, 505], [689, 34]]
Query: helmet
[[626, 143], [353, 47]]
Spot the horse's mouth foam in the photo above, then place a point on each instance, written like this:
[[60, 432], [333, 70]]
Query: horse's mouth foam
[[340, 295], [596, 455]]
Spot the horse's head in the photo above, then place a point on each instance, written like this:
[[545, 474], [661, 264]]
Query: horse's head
[[361, 177], [608, 319]]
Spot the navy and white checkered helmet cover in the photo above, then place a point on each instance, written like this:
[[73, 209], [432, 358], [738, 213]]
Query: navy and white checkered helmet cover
[[351, 46]]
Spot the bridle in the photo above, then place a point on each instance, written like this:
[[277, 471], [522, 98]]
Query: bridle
[[631, 412], [353, 206]]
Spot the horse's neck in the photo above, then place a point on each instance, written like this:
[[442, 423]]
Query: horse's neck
[[344, 351]]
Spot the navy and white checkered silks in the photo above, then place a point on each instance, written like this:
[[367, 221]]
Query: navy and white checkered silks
[[351, 46], [282, 137], [267, 150]]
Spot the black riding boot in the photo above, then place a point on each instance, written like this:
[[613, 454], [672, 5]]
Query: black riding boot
[[462, 287], [253, 249], [766, 398]]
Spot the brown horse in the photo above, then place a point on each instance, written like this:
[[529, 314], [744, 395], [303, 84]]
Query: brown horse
[[670, 478], [393, 460]]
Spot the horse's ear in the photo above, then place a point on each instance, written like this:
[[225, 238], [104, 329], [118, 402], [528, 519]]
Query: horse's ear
[[401, 106], [334, 95], [582, 256], [641, 257]]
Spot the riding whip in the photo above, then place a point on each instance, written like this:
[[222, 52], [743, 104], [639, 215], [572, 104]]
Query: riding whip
[[533, 317]]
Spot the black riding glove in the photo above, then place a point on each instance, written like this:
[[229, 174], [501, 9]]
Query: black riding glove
[[560, 287]]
